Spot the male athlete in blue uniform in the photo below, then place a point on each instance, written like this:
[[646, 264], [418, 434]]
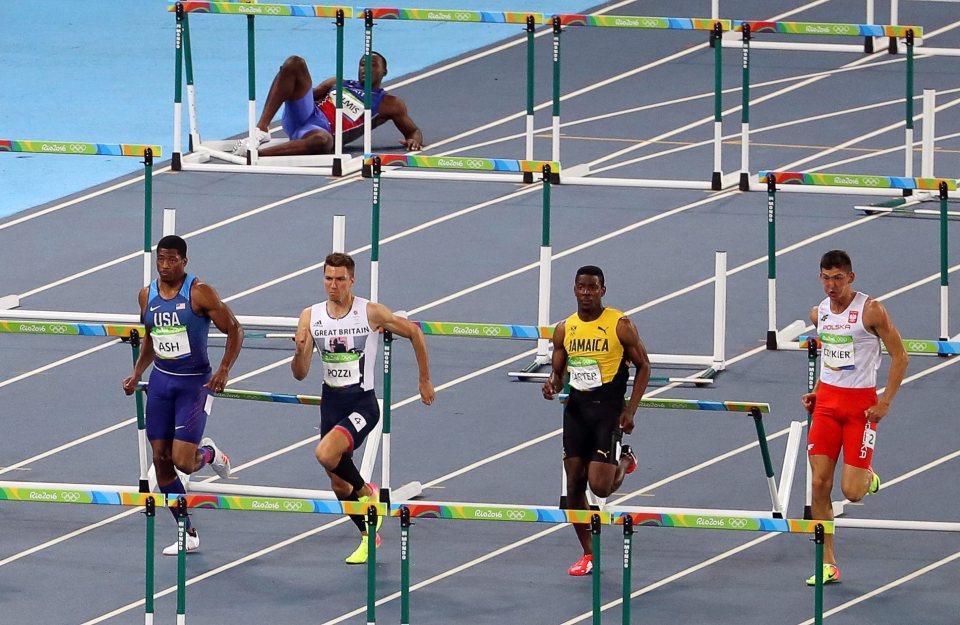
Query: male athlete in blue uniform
[[177, 310], [344, 330], [309, 113]]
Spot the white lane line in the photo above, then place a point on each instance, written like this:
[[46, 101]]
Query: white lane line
[[77, 200], [57, 363]]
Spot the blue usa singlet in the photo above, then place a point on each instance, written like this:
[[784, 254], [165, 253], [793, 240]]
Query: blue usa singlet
[[179, 335]]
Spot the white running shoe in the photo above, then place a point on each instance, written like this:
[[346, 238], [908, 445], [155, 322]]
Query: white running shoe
[[221, 461], [193, 544], [240, 147]]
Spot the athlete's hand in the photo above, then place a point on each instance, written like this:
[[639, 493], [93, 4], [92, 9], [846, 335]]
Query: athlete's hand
[[626, 421], [809, 400], [876, 412], [427, 394], [217, 381], [130, 384], [413, 142], [550, 389]]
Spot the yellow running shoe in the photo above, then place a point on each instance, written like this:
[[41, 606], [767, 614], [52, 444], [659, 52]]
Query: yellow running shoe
[[373, 497], [359, 556], [831, 575], [874, 482]]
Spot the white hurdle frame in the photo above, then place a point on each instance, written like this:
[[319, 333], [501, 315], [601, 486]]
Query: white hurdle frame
[[201, 152]]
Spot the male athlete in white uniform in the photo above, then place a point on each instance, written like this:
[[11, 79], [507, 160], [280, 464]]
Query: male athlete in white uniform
[[344, 331], [844, 403]]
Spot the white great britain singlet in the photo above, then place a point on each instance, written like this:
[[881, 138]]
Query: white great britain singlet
[[850, 353], [347, 346]]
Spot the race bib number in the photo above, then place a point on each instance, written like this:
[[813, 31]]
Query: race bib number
[[341, 369], [837, 352], [584, 373], [869, 437], [357, 421], [170, 342], [352, 106]]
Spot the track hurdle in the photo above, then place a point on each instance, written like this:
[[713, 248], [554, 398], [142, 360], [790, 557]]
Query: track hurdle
[[373, 166], [201, 152], [578, 174], [779, 497], [647, 517], [843, 184], [530, 20], [145, 151], [377, 166], [748, 29], [97, 495]]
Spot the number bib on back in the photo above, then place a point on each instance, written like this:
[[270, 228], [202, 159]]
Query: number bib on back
[[170, 342], [838, 352], [341, 369], [584, 373]]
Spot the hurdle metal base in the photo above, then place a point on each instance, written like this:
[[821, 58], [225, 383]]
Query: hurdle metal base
[[317, 165], [9, 301]]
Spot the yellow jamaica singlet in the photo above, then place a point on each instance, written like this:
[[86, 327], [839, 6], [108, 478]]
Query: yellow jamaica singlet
[[594, 353]]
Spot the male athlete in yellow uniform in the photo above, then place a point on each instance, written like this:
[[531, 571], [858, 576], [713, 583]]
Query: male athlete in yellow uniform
[[593, 345]]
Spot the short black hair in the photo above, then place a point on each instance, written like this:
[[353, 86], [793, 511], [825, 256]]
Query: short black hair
[[382, 58], [836, 259], [590, 270], [173, 242], [339, 259]]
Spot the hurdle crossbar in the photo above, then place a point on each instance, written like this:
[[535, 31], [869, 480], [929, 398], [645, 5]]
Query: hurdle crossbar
[[716, 27], [529, 20], [145, 151], [850, 183], [201, 152], [748, 29], [110, 324]]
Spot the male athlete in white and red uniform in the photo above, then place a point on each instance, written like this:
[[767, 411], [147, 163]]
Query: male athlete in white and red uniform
[[844, 403]]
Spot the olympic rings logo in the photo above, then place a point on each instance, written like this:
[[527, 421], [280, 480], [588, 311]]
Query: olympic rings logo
[[650, 23], [293, 506], [491, 331], [516, 515], [462, 17], [840, 29], [475, 164], [871, 181], [58, 329], [916, 346], [77, 148], [738, 524], [272, 10], [71, 497]]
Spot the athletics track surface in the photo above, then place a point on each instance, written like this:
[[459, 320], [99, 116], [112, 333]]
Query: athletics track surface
[[488, 439]]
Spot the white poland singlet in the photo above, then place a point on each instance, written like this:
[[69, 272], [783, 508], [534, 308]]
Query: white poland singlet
[[850, 353], [347, 346]]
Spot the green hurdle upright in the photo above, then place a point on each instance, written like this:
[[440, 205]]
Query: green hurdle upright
[[716, 27], [749, 29], [850, 183], [529, 20]]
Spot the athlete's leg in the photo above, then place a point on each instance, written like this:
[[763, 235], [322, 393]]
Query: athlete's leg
[[823, 442], [576, 469], [291, 83], [192, 405], [317, 141]]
